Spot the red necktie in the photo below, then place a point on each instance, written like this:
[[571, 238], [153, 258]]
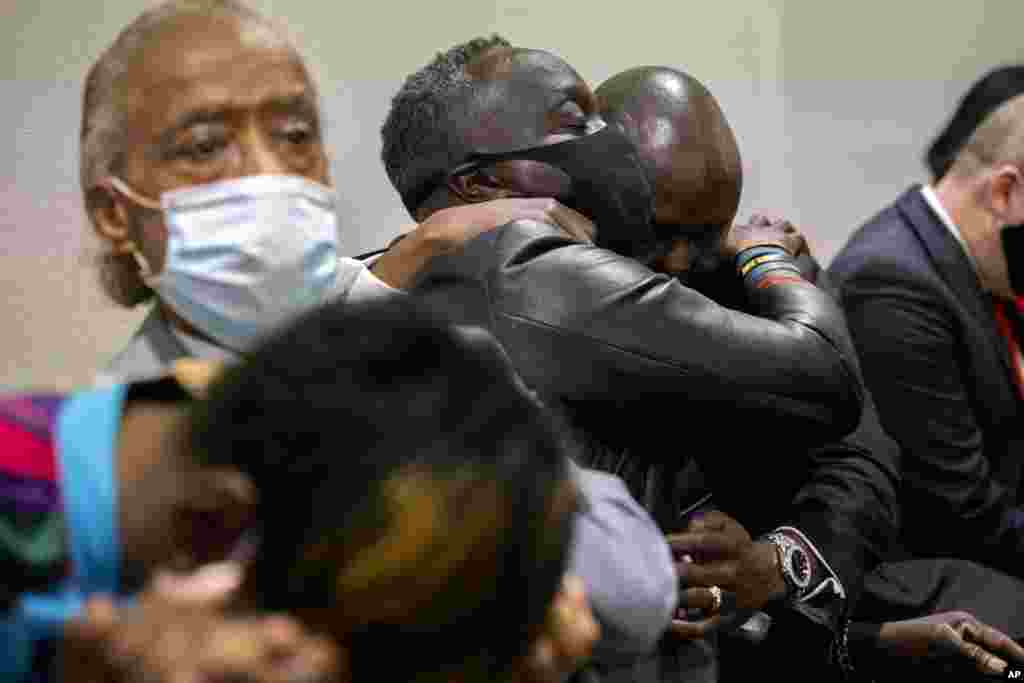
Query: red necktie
[[1004, 313]]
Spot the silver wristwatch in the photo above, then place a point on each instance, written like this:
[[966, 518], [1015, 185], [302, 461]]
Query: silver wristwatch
[[795, 563]]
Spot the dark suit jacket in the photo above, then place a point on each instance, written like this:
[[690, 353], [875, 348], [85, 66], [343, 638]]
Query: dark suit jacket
[[904, 586], [939, 372]]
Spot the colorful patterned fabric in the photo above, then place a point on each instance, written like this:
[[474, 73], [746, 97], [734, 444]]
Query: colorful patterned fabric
[[33, 548], [58, 519]]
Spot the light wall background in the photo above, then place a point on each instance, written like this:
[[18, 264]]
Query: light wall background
[[832, 102]]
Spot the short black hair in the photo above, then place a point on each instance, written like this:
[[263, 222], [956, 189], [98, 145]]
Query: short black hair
[[345, 420], [423, 135], [986, 95]]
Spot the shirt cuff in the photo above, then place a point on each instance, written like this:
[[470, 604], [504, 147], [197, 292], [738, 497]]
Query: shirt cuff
[[626, 565], [368, 287], [374, 281]]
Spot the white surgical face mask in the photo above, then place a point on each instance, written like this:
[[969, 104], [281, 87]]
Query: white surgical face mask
[[246, 255]]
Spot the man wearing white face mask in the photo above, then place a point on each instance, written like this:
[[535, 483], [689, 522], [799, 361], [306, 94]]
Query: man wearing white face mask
[[204, 172], [244, 255]]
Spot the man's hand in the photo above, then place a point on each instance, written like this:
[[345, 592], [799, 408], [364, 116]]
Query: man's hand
[[709, 620], [956, 635], [722, 554], [211, 586], [566, 642], [760, 231], [449, 229], [161, 641]]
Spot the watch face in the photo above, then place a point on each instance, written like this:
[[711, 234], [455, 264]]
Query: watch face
[[800, 566]]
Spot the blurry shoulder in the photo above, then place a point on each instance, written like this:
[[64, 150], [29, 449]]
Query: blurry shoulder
[[147, 354]]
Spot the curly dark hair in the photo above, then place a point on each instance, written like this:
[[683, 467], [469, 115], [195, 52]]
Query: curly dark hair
[[423, 135]]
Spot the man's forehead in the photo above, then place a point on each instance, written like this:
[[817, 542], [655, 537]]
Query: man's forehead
[[219, 61], [523, 87], [544, 73], [539, 61], [184, 40], [527, 69]]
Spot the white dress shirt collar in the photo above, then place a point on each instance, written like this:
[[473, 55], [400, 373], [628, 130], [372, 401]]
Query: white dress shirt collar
[[928, 192]]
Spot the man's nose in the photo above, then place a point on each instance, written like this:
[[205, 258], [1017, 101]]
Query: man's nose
[[260, 156]]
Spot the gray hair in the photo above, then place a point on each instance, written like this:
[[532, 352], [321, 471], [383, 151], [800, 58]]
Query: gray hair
[[998, 140], [102, 138]]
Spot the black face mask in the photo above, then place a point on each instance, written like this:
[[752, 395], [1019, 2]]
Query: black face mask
[[1013, 246], [609, 185]]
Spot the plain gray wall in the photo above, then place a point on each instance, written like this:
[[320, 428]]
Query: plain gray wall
[[832, 104]]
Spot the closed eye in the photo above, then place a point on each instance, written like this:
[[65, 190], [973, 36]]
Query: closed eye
[[202, 148], [297, 133]]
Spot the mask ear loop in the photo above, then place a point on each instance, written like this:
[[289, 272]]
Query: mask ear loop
[[122, 188], [479, 160]]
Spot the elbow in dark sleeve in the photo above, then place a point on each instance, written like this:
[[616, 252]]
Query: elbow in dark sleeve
[[824, 358]]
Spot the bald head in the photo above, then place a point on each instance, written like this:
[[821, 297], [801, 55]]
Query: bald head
[[684, 141]]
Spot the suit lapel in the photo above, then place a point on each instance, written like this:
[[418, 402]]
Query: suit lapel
[[953, 265]]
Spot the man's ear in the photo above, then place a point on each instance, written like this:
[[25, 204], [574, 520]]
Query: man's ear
[[220, 508], [478, 186], [1005, 184], [110, 218]]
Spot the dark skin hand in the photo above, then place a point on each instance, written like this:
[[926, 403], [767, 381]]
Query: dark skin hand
[[164, 642], [567, 639], [715, 550], [178, 632], [762, 230], [952, 635]]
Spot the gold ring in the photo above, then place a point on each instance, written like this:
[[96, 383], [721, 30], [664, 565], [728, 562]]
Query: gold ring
[[716, 598]]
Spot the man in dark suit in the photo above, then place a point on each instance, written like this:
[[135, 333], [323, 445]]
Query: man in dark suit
[[928, 290]]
